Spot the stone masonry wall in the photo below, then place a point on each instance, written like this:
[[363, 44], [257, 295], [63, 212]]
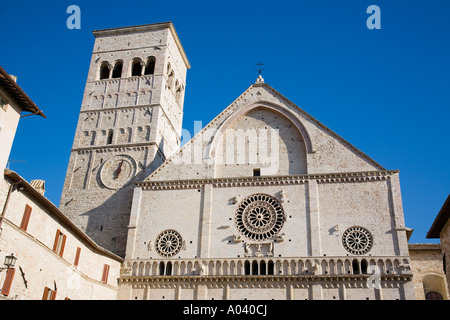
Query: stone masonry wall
[[38, 266]]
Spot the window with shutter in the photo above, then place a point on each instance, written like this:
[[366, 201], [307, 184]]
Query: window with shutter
[[105, 273], [60, 242], [77, 257], [49, 294], [25, 218], [8, 281]]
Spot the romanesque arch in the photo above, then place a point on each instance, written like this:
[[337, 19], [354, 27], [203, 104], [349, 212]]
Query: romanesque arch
[[211, 151]]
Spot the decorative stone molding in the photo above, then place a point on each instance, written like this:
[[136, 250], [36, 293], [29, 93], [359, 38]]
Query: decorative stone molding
[[237, 238], [91, 112], [235, 199], [115, 148], [263, 249], [347, 177]]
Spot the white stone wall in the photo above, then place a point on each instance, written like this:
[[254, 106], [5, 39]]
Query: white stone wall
[[211, 226], [324, 184], [326, 152], [9, 119], [264, 140], [257, 290]]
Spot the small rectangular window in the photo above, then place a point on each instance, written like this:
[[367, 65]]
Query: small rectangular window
[[60, 242], [77, 257], [444, 263], [109, 139], [256, 172], [8, 281], [105, 273], [25, 218]]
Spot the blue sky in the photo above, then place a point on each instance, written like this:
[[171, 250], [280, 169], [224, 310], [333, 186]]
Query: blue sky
[[385, 91]]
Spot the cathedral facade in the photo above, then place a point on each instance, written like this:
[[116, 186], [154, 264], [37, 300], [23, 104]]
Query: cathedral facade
[[265, 202]]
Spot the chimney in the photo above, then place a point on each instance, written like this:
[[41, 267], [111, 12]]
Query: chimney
[[39, 185]]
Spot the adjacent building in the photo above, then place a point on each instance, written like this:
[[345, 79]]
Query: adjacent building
[[440, 229], [427, 264], [46, 256]]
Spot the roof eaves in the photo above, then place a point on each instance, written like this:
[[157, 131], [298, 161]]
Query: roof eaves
[[440, 220], [41, 199], [16, 92]]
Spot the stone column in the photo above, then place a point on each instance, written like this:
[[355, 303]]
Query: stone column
[[316, 291], [205, 231], [134, 218], [313, 216], [397, 219], [342, 291], [226, 291]]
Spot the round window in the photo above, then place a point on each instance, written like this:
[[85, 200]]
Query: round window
[[259, 217], [168, 243], [357, 240]]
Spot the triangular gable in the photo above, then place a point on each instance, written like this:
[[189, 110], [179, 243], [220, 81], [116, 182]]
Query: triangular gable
[[327, 152]]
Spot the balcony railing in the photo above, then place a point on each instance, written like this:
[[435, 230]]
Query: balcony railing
[[268, 266]]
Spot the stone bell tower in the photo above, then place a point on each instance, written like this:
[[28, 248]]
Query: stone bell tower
[[129, 123]]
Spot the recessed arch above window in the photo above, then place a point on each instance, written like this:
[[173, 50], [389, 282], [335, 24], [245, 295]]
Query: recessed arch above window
[[212, 147], [434, 286]]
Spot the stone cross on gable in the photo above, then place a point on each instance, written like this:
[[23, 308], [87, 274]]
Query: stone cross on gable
[[260, 70]]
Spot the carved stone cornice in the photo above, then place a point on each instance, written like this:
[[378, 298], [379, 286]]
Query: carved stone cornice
[[116, 109], [114, 148], [366, 176]]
